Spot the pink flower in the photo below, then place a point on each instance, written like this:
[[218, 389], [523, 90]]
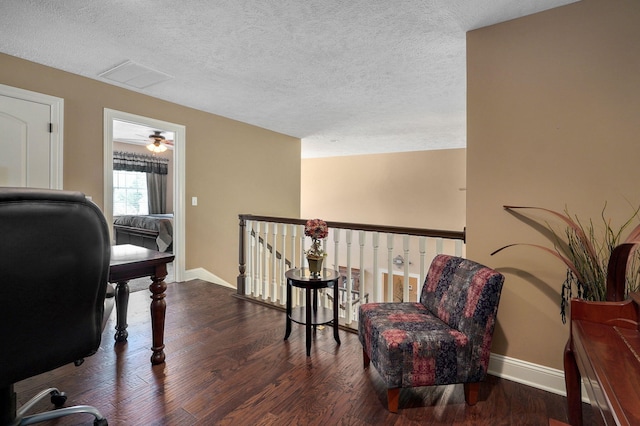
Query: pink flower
[[316, 229]]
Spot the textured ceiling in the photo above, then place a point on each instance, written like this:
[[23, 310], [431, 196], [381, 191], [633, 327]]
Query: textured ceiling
[[348, 77]]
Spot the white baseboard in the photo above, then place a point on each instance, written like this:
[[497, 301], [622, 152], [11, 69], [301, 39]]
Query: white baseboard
[[203, 274], [530, 374]]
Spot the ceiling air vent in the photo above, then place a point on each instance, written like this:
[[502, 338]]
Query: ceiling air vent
[[135, 75]]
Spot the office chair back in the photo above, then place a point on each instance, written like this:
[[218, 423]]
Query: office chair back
[[54, 266]]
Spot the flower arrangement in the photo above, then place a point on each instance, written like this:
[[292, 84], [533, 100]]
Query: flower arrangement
[[586, 256], [316, 229]]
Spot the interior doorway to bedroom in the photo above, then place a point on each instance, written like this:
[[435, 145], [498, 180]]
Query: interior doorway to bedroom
[[142, 176], [144, 183]]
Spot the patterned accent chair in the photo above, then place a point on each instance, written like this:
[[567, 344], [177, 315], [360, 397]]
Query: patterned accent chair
[[443, 339]]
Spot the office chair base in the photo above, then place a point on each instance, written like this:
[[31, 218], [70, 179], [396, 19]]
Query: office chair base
[[58, 399]]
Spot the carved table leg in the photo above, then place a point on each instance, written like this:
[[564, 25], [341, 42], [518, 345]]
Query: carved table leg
[[122, 304], [158, 311]]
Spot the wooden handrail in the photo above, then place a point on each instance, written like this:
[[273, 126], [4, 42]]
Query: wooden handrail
[[434, 233]]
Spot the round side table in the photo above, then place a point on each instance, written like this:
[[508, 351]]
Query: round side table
[[310, 314]]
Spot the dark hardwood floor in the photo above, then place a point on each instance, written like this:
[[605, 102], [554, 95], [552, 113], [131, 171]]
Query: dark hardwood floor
[[227, 364]]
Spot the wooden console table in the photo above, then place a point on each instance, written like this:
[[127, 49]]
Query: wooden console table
[[604, 350], [129, 262]]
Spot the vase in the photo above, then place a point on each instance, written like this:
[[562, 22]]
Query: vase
[[315, 265]]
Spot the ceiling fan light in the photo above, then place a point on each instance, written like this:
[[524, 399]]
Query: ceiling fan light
[[156, 147]]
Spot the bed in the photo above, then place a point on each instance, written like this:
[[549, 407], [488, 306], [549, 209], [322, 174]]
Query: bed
[[154, 231]]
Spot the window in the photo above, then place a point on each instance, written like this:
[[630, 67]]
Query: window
[[129, 193]]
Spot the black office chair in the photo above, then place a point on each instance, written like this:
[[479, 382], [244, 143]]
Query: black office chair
[[54, 265]]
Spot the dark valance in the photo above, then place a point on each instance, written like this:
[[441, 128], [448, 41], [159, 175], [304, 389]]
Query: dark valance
[[132, 162]]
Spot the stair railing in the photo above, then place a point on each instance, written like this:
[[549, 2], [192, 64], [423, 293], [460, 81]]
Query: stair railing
[[390, 262]]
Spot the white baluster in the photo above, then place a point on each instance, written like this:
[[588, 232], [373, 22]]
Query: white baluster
[[303, 264], [265, 280], [361, 240], [283, 266], [389, 268], [377, 285], [423, 252], [256, 264], [324, 300], [249, 257], [336, 255], [294, 258], [336, 247], [349, 283], [274, 257], [294, 234], [405, 287], [439, 246]]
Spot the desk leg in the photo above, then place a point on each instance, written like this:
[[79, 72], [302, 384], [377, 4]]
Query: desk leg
[[308, 308], [335, 311], [288, 329], [158, 311], [122, 304]]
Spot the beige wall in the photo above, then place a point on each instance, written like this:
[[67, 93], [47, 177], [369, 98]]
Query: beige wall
[[553, 121], [414, 189], [230, 165]]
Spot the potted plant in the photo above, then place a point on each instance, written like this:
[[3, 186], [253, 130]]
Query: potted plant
[[586, 253], [316, 229]]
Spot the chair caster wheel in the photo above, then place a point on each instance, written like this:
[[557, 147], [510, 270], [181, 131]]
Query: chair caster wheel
[[101, 422], [58, 398]]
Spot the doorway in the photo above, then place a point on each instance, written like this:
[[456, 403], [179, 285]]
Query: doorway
[[179, 149]]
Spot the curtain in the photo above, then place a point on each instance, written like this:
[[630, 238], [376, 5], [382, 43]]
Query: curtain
[[157, 193], [156, 169]]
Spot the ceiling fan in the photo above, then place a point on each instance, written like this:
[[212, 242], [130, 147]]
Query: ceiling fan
[[157, 144]]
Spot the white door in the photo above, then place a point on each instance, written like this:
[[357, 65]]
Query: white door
[[30, 140]]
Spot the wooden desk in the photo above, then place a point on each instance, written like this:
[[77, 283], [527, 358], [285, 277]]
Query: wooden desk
[[129, 262], [310, 315]]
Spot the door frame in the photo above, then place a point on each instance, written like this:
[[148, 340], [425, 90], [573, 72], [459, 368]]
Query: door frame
[[56, 136], [179, 151]]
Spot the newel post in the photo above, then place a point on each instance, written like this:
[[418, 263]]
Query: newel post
[[242, 267]]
